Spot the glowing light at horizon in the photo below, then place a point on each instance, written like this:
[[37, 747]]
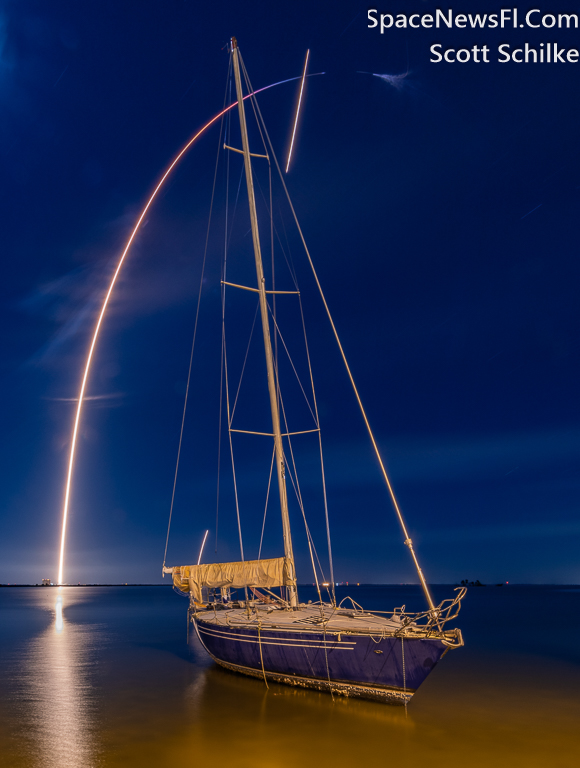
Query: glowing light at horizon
[[81, 396], [298, 109]]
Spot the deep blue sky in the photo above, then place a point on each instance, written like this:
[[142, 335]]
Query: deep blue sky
[[442, 218]]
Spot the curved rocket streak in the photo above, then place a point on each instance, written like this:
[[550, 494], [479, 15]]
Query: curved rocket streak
[[161, 182]]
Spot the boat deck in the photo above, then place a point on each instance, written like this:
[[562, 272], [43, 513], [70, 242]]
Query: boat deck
[[311, 618]]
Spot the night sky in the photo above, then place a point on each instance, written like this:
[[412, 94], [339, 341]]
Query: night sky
[[441, 216]]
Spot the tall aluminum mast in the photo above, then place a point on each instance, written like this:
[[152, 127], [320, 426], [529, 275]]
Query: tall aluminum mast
[[272, 389]]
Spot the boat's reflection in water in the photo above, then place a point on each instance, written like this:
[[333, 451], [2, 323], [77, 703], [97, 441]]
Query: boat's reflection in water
[[57, 677], [218, 690], [268, 717]]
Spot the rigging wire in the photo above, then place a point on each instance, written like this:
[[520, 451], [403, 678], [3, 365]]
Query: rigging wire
[[236, 201], [221, 401], [289, 263], [408, 542], [194, 337], [219, 445], [225, 367], [293, 367], [309, 539], [296, 485], [278, 332], [267, 497], [290, 266], [326, 516], [319, 431], [230, 435], [263, 135], [292, 271], [273, 272], [249, 89], [245, 359]]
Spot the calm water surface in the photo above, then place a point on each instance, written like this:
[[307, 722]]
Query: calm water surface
[[103, 676]]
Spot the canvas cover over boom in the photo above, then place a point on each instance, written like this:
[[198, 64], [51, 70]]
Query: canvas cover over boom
[[275, 572]]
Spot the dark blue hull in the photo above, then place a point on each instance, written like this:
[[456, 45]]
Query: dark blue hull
[[386, 668]]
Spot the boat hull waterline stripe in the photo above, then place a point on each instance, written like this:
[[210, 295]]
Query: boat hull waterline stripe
[[289, 643], [349, 690]]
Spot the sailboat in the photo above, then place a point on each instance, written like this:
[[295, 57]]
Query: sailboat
[[248, 628]]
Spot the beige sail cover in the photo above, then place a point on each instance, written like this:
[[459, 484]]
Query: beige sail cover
[[275, 572]]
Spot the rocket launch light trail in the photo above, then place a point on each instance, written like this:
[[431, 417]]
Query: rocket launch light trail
[[298, 109], [81, 397]]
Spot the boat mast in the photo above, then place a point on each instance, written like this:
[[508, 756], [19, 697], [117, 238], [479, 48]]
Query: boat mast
[[272, 389]]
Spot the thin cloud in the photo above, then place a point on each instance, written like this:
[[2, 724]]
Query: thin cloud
[[452, 459], [506, 531], [88, 398], [152, 281]]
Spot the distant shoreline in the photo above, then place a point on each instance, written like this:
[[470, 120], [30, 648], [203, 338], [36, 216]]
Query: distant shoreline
[[348, 586], [52, 586]]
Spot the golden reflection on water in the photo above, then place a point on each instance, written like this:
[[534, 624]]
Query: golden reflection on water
[[513, 713], [59, 622], [56, 682], [73, 699]]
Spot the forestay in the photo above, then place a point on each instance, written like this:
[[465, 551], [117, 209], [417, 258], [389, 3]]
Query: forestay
[[275, 572]]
